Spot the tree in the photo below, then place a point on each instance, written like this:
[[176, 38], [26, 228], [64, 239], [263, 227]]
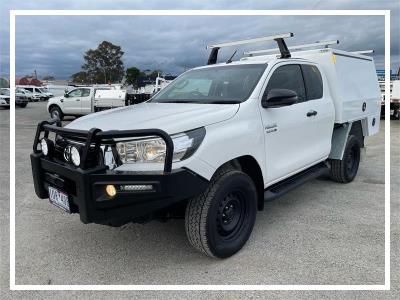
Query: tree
[[132, 75], [80, 77], [104, 64], [155, 73]]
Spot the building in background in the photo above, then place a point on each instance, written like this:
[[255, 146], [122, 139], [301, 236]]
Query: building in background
[[27, 81]]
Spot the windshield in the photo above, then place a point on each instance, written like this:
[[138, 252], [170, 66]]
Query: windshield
[[43, 90], [225, 84], [5, 92]]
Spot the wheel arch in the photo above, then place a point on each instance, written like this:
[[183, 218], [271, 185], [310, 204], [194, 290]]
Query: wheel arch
[[248, 165], [340, 134], [54, 105]]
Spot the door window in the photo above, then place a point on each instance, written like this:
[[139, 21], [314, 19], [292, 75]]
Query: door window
[[288, 77], [313, 81], [75, 93], [85, 92]]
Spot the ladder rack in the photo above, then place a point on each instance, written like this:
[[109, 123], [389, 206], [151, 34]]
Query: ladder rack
[[324, 44], [279, 38]]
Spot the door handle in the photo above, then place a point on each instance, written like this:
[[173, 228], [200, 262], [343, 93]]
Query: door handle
[[311, 113], [78, 100]]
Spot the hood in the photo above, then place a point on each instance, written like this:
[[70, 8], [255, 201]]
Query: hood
[[170, 117]]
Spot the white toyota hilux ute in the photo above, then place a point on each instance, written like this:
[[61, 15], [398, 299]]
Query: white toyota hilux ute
[[215, 143], [85, 100]]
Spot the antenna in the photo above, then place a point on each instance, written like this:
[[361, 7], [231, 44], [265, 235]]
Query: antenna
[[297, 47], [279, 38], [230, 58]]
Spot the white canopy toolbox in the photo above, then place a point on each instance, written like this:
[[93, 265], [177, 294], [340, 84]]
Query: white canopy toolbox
[[352, 82], [109, 98]]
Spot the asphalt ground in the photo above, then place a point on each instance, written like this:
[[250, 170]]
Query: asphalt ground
[[320, 233]]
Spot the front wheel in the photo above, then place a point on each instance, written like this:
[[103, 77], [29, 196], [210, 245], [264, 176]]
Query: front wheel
[[56, 113], [345, 170], [22, 105], [220, 220]]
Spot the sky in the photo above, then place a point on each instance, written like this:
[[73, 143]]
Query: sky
[[54, 45]]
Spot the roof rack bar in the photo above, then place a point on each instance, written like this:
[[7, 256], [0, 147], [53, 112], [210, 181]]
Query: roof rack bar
[[363, 52], [297, 47], [279, 38], [251, 41]]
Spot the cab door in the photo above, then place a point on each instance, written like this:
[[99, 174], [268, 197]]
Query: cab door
[[71, 102], [296, 135], [86, 101]]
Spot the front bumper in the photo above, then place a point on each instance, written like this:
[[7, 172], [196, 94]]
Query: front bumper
[[86, 190]]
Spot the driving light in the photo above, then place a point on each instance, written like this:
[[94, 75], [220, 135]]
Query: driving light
[[45, 148], [137, 187], [75, 156], [111, 190]]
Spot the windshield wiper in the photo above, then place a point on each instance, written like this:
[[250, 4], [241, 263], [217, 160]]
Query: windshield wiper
[[180, 101], [223, 102], [201, 101]]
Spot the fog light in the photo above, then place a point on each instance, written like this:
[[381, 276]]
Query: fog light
[[75, 156], [45, 148], [137, 187], [110, 190]]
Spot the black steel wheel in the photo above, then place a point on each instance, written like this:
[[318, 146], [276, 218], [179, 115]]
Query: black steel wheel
[[219, 221], [345, 170]]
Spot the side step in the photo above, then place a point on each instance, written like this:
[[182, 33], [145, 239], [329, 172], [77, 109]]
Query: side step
[[278, 189]]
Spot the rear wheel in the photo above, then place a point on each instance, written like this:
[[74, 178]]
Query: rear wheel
[[345, 170], [22, 105], [219, 221], [396, 113], [56, 113]]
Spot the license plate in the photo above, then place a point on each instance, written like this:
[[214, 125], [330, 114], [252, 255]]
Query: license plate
[[59, 199]]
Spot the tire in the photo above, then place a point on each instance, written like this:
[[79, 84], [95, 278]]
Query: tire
[[23, 105], [55, 112], [219, 221], [345, 170], [396, 114]]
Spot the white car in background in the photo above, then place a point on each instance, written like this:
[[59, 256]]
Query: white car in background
[[46, 92], [32, 97], [38, 91], [20, 99], [5, 101]]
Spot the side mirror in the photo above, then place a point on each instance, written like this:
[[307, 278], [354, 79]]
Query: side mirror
[[279, 98], [66, 95]]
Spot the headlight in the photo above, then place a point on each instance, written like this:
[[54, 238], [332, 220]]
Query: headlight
[[152, 150], [75, 156]]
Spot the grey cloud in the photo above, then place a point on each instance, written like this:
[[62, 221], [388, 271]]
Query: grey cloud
[[55, 45]]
